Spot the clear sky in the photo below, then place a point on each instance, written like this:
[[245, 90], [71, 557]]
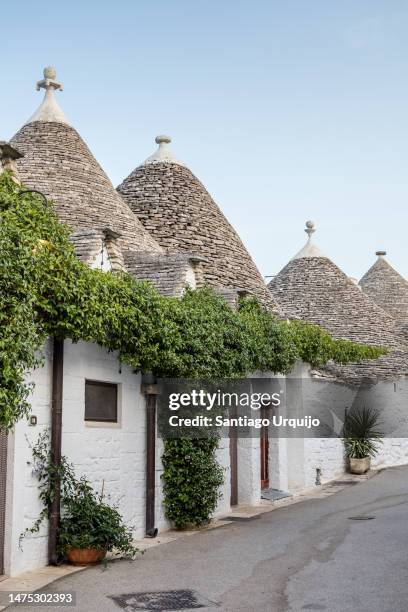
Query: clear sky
[[286, 110]]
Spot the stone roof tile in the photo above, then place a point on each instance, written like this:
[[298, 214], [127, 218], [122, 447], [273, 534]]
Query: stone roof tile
[[388, 289], [57, 162], [314, 289], [167, 272], [178, 211]]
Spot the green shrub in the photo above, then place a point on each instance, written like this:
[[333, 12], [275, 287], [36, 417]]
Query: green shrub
[[192, 478]]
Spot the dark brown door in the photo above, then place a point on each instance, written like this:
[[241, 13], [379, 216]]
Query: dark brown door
[[233, 463], [264, 444], [3, 477]]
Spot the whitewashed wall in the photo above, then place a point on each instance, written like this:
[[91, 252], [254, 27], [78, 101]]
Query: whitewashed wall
[[23, 505], [249, 470], [392, 399], [162, 523], [293, 462], [109, 455], [223, 458], [305, 456], [113, 454]]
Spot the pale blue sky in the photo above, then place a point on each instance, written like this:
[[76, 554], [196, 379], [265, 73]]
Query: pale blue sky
[[286, 110]]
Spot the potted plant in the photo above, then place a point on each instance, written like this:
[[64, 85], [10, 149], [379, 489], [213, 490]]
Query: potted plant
[[90, 527], [361, 438]]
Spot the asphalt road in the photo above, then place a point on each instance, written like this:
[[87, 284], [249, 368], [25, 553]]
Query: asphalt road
[[308, 556]]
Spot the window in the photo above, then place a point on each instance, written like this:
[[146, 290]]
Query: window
[[101, 401]]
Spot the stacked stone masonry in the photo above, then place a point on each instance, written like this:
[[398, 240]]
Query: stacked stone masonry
[[176, 209], [389, 290], [57, 162], [168, 273], [314, 289]]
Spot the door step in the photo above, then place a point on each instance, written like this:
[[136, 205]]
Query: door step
[[274, 494]]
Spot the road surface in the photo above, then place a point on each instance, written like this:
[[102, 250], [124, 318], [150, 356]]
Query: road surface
[[308, 556]]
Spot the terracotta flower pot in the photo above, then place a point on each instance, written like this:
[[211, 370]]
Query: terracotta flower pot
[[85, 556], [360, 466]]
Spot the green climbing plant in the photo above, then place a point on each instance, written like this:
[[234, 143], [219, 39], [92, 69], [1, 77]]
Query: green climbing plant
[[46, 291]]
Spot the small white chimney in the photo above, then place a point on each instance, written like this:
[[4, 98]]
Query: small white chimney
[[8, 160]]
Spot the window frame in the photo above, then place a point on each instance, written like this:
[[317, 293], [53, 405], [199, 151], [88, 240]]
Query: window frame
[[108, 422]]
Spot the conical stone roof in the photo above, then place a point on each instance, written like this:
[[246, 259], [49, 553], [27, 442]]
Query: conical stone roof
[[58, 162], [178, 211], [312, 288], [388, 289]]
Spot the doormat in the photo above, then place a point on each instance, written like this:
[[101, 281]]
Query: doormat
[[162, 600], [274, 494], [343, 483], [233, 517]]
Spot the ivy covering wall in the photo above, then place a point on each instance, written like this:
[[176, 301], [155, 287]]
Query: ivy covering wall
[[46, 291]]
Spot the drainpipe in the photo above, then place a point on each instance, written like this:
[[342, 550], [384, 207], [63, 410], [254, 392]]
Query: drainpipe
[[11, 155], [149, 389], [56, 430]]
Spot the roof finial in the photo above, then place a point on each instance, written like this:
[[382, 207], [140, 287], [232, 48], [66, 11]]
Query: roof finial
[[164, 154], [310, 249], [162, 139], [49, 111], [381, 254], [310, 229], [49, 80]]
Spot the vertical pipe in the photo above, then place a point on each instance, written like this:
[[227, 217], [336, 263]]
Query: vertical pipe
[[264, 448], [3, 494], [149, 388], [233, 449], [56, 430]]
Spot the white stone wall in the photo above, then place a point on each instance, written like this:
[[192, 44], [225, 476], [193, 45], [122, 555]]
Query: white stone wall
[[391, 398], [278, 464], [110, 455], [293, 462], [307, 455], [23, 505], [249, 470], [327, 454], [223, 458], [113, 455], [162, 523]]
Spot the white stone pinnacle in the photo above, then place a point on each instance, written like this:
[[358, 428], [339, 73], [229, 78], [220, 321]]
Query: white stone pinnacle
[[310, 228], [164, 154], [49, 109], [310, 249]]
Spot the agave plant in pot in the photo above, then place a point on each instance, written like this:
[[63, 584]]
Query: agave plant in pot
[[90, 527], [362, 438]]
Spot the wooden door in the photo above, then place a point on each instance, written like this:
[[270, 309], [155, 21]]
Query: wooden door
[[233, 448], [264, 447]]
